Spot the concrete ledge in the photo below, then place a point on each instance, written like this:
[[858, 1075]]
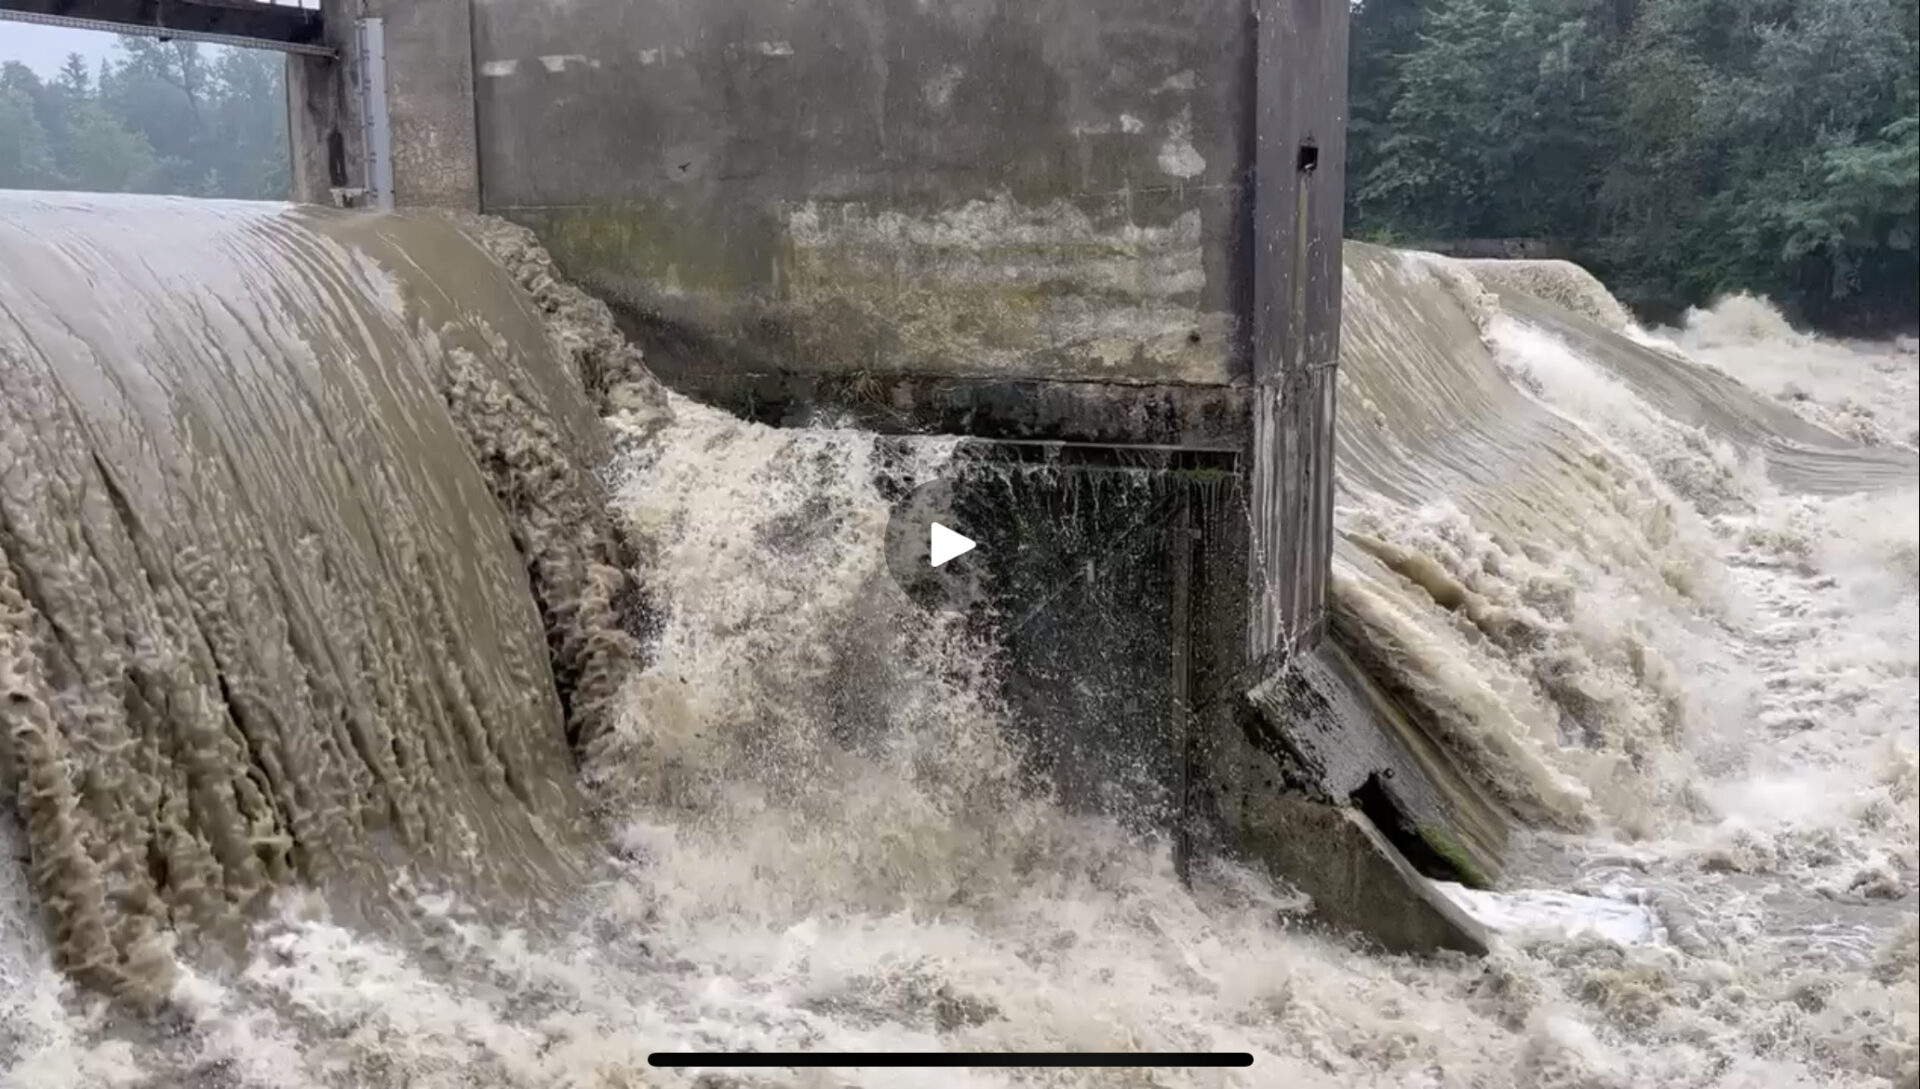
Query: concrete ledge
[[1357, 880], [1279, 796], [1346, 741], [1192, 417]]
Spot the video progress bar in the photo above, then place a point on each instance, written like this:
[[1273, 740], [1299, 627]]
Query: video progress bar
[[674, 1059]]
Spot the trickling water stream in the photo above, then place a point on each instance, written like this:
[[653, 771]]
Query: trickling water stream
[[798, 819]]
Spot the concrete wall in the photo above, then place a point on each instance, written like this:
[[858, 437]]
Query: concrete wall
[[431, 102], [977, 187], [1301, 170], [430, 106], [323, 122], [1136, 192]]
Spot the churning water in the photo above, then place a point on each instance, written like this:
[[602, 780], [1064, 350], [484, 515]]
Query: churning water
[[1666, 619]]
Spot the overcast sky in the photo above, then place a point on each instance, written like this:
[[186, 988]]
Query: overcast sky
[[44, 48]]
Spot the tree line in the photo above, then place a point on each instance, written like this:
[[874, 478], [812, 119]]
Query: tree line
[[1679, 148], [167, 117]]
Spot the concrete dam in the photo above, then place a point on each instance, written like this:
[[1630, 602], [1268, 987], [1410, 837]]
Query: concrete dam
[[1104, 251], [536, 482]]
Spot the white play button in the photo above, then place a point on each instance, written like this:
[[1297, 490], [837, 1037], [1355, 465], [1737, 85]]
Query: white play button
[[921, 549], [944, 544]]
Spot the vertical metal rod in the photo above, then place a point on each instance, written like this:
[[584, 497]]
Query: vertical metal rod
[[1181, 621], [370, 42]]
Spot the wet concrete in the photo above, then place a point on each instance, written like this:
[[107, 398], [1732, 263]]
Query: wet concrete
[[881, 186]]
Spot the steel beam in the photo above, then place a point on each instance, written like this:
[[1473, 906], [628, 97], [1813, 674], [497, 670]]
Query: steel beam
[[229, 22]]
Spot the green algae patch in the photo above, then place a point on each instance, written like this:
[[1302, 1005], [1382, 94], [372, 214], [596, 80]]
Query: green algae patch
[[1455, 855]]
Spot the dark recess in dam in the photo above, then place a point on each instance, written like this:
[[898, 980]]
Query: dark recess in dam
[[1111, 582]]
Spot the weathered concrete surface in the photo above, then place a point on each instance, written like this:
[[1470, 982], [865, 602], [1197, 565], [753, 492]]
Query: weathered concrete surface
[[1051, 222], [430, 90], [1300, 176], [325, 151], [1357, 880], [430, 106], [1191, 417], [1345, 741], [975, 188]]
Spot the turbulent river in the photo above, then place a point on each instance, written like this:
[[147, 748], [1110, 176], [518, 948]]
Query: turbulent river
[[355, 741]]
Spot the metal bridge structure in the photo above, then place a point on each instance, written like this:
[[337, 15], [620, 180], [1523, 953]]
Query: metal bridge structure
[[289, 27]]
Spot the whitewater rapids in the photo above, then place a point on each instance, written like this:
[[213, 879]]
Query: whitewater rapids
[[1677, 634]]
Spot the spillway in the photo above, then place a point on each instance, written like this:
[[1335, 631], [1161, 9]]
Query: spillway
[[296, 507]]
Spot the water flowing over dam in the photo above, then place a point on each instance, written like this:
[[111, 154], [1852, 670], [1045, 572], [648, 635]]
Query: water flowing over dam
[[399, 688], [284, 503]]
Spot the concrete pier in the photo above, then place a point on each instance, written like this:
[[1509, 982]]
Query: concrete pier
[[430, 106], [1105, 233]]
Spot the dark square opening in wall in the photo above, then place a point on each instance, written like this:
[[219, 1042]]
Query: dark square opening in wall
[[1112, 581]]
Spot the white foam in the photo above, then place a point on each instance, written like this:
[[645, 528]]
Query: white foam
[[1867, 390], [1550, 913]]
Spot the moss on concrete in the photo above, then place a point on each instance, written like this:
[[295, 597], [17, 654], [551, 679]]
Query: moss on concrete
[[1455, 854], [987, 289], [654, 241]]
